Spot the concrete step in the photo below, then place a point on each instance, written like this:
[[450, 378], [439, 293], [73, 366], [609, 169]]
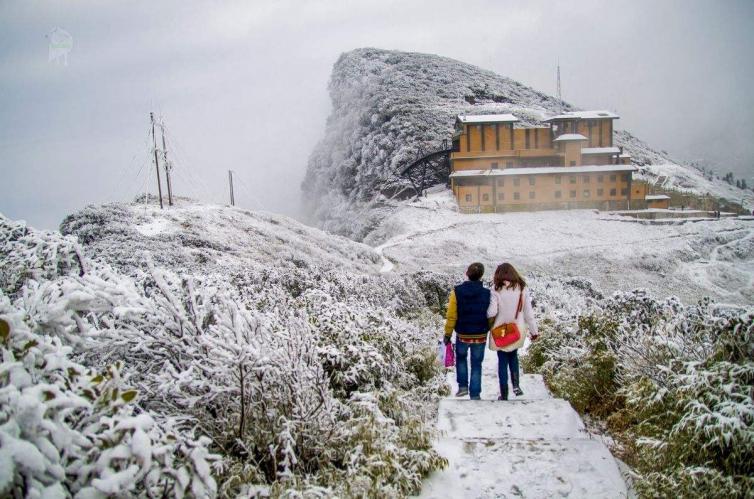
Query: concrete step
[[539, 419], [499, 468], [532, 384]]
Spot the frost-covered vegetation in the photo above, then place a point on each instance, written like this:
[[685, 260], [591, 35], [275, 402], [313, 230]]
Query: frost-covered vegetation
[[674, 385], [210, 351], [387, 107]]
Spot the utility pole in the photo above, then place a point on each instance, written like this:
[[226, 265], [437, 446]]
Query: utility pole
[[230, 181], [168, 166], [156, 163]]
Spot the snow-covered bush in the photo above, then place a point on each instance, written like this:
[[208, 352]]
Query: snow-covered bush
[[301, 373], [66, 429], [674, 383]]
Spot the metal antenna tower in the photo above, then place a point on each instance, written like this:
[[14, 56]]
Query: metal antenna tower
[[560, 94]]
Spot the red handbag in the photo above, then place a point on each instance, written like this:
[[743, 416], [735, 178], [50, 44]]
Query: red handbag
[[507, 334]]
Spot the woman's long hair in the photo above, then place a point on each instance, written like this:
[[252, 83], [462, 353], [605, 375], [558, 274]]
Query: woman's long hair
[[505, 272]]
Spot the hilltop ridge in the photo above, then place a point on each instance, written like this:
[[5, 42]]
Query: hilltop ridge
[[390, 105]]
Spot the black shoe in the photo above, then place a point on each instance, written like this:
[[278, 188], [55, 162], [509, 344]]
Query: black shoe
[[462, 392], [518, 391], [503, 393], [477, 397]]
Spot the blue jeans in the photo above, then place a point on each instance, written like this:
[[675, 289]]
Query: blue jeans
[[506, 360], [462, 367]]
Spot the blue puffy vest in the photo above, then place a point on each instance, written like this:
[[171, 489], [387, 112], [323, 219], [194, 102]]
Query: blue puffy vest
[[472, 299]]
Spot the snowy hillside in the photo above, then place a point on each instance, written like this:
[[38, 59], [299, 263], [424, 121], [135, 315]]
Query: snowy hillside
[[389, 105], [691, 260], [205, 238], [204, 350]]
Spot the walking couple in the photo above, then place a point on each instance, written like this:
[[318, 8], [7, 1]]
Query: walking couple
[[473, 311]]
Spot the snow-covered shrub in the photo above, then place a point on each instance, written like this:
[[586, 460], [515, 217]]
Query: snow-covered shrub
[[301, 372], [674, 383], [66, 429]]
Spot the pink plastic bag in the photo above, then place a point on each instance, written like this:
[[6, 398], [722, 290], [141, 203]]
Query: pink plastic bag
[[450, 356]]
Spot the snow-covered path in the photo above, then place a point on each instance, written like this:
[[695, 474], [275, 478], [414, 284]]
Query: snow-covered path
[[534, 446]]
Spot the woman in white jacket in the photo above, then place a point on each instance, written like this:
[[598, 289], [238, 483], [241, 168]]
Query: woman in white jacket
[[510, 302]]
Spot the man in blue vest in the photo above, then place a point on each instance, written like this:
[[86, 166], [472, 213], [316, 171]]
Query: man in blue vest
[[467, 315]]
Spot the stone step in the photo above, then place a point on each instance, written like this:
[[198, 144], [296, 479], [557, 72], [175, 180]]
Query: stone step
[[535, 419], [532, 384], [487, 468]]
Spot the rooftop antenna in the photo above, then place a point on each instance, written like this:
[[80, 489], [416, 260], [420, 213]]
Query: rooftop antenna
[[560, 93]]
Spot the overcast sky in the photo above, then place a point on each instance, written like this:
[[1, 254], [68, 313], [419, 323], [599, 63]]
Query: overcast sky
[[243, 85]]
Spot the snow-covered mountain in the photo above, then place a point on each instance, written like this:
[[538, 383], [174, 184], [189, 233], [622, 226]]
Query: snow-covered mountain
[[389, 105]]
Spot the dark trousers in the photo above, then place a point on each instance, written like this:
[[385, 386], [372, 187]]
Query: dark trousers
[[462, 367], [505, 361]]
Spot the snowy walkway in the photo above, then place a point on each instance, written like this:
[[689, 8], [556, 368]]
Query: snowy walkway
[[533, 446]]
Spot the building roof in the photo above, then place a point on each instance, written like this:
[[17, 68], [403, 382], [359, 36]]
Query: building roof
[[542, 170], [585, 115], [487, 118], [656, 197], [570, 136], [600, 150]]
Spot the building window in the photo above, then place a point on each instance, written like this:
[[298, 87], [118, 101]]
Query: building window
[[573, 163], [600, 192], [485, 197], [586, 193], [585, 179], [531, 180], [572, 180], [468, 198], [500, 196], [600, 178], [557, 179], [509, 164], [501, 182], [532, 194], [612, 178], [526, 134], [572, 194], [517, 181], [624, 191], [625, 177], [558, 194], [613, 192], [516, 195], [494, 165]]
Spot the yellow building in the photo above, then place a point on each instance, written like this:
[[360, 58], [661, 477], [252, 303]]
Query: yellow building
[[570, 162]]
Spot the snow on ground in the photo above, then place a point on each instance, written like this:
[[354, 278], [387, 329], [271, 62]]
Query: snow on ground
[[533, 446], [690, 260]]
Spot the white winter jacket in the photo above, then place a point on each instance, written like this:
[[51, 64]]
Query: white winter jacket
[[503, 306]]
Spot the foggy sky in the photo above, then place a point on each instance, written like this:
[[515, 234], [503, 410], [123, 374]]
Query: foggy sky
[[243, 85]]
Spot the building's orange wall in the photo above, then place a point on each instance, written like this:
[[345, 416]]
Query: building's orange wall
[[638, 190], [573, 153], [597, 159], [660, 204], [607, 133], [611, 185]]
